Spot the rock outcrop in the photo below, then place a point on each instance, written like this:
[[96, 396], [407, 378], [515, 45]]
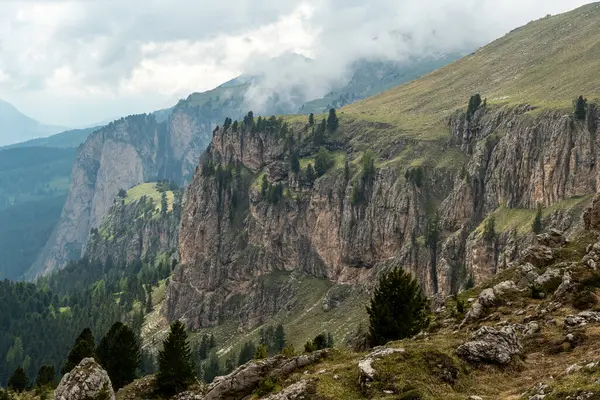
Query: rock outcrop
[[490, 345], [121, 155], [86, 381], [246, 378], [365, 366], [232, 237]]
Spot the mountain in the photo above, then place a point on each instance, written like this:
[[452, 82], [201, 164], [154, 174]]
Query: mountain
[[17, 127], [416, 178], [72, 138], [187, 128]]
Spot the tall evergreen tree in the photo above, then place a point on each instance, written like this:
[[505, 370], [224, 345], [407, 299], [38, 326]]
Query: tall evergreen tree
[[247, 353], [332, 121], [83, 348], [398, 308], [295, 163], [176, 369], [310, 174], [18, 380], [311, 119], [279, 338], [45, 376], [212, 369], [536, 226], [581, 107], [149, 304], [164, 205], [323, 161], [119, 353]]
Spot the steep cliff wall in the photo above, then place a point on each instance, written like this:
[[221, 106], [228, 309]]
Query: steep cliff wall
[[424, 208], [125, 153], [135, 230]]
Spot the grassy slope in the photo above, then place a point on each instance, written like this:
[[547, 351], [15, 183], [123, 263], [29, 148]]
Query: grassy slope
[[511, 70], [148, 190]]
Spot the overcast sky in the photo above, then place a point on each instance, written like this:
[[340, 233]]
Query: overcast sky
[[73, 63]]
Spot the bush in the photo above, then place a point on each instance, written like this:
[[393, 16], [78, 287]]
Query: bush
[[18, 380], [45, 376], [323, 161], [261, 352], [398, 308], [288, 351], [266, 386], [309, 347]]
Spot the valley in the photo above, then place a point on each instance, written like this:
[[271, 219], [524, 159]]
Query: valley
[[269, 234]]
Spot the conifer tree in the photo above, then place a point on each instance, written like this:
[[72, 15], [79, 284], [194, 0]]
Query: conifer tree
[[212, 369], [310, 174], [83, 348], [581, 106], [295, 163], [323, 161], [164, 205], [536, 226], [18, 381], [149, 304], [311, 119], [332, 121], [119, 353], [247, 353], [176, 369], [279, 338], [45, 376], [398, 308]]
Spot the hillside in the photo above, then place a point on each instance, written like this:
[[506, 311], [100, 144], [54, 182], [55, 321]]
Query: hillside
[[34, 183], [450, 196], [72, 138], [17, 127]]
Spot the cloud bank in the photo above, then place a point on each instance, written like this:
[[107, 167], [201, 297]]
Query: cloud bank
[[77, 62]]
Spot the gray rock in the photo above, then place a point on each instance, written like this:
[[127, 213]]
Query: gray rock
[[552, 238], [86, 381], [550, 279], [504, 288], [583, 318], [564, 286], [367, 372], [538, 256], [245, 379], [490, 345], [297, 391]]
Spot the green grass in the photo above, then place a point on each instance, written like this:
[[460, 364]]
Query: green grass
[[511, 70], [148, 190]]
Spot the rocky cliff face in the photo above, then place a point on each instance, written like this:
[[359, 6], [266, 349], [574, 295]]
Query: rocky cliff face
[[134, 231], [428, 217], [125, 153]]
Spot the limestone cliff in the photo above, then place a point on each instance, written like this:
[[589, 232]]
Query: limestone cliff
[[135, 230], [428, 217], [125, 153]]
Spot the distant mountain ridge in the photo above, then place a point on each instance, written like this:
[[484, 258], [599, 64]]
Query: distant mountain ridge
[[16, 127]]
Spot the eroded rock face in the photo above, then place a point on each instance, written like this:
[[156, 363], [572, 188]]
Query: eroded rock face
[[86, 381], [552, 238], [245, 379], [232, 238], [121, 155], [367, 372], [301, 390], [491, 345]]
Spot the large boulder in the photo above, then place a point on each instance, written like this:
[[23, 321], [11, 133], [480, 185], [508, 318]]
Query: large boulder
[[492, 346], [365, 367], [301, 390], [538, 256], [550, 280], [552, 238], [246, 378], [87, 381], [581, 319]]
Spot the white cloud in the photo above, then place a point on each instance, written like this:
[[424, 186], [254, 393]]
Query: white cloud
[[75, 62]]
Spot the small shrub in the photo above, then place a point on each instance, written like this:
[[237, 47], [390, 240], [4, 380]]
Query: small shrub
[[261, 352], [266, 386], [288, 351], [309, 347], [584, 300]]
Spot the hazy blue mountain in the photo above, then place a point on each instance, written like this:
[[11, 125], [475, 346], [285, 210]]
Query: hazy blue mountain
[[16, 127], [63, 140]]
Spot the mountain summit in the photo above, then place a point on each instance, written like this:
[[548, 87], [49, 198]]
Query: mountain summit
[[16, 127]]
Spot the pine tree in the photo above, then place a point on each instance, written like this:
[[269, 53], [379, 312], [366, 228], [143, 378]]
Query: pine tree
[[310, 174], [45, 376], [18, 380], [295, 163], [149, 304], [536, 226], [474, 103], [581, 106], [330, 341], [83, 348], [261, 352], [164, 205], [323, 161], [247, 353], [212, 369], [119, 353], [279, 338], [176, 370], [398, 307], [311, 119], [320, 341], [332, 121], [264, 187]]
